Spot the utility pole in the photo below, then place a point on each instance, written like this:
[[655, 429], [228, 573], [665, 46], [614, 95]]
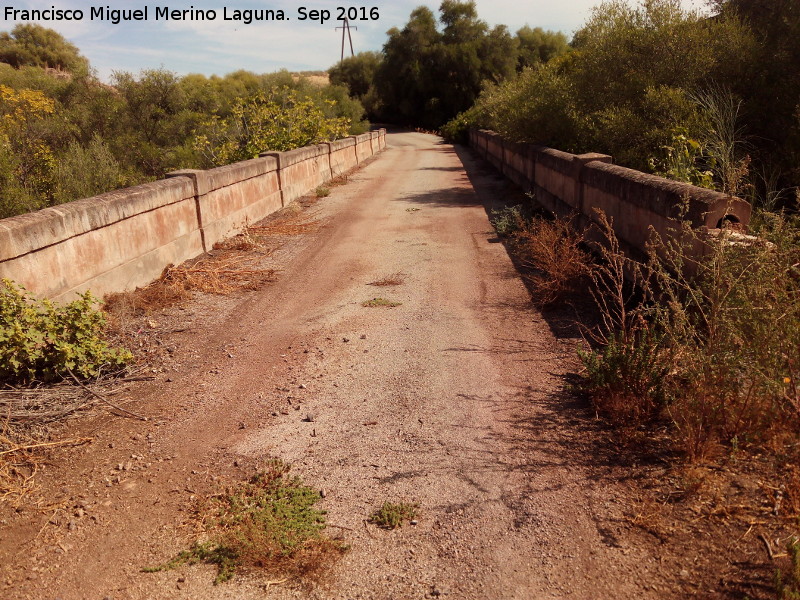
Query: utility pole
[[346, 28]]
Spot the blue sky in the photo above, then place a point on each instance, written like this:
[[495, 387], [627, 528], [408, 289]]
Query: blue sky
[[219, 46]]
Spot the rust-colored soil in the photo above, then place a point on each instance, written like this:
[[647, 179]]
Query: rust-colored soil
[[454, 400]]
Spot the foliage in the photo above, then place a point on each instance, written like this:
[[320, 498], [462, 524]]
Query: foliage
[[37, 46], [508, 220], [537, 45], [268, 522], [538, 105], [357, 74], [428, 75], [44, 341], [787, 586], [391, 515], [66, 135], [278, 122], [26, 160], [680, 162], [456, 130], [723, 311], [768, 81], [85, 171], [603, 97], [626, 378]]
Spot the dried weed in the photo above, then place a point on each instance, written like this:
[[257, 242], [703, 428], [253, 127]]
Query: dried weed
[[553, 252], [380, 303], [389, 280], [289, 224]]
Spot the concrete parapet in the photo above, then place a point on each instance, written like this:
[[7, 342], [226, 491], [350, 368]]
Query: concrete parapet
[[569, 184], [124, 239], [114, 241], [343, 155], [363, 147]]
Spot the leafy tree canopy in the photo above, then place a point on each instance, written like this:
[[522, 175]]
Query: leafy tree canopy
[[31, 45]]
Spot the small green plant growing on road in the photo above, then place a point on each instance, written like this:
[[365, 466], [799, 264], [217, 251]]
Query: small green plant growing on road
[[268, 522], [41, 340], [380, 302], [391, 515], [787, 586], [322, 192], [507, 221]]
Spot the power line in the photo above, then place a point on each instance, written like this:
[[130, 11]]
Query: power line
[[346, 28]]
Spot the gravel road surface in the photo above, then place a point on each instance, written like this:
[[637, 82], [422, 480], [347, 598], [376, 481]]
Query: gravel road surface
[[454, 399]]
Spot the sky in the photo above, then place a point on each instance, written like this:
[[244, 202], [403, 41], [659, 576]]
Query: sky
[[221, 46]]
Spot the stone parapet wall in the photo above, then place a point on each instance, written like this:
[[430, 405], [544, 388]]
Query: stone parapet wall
[[124, 239], [570, 184]]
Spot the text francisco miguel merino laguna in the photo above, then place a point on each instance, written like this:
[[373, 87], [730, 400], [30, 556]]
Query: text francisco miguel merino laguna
[[158, 13]]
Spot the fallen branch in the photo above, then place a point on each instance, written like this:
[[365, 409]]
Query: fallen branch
[[106, 400], [75, 442]]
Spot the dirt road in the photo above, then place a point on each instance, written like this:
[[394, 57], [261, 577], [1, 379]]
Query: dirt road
[[453, 399]]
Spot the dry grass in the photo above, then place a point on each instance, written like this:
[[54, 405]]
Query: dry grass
[[26, 408], [342, 179], [552, 251], [288, 224], [20, 461], [380, 303], [231, 267], [390, 280]]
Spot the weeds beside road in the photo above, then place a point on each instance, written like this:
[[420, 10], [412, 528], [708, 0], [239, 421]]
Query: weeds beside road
[[699, 346]]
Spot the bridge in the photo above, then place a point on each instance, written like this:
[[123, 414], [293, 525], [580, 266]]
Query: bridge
[[452, 399]]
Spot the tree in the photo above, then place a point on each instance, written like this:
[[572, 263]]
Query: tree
[[769, 83], [404, 78], [539, 46], [428, 76], [357, 72], [37, 46], [281, 121]]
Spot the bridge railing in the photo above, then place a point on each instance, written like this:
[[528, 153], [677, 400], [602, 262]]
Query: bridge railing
[[124, 239], [570, 184]]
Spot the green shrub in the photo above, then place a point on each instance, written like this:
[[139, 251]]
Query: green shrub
[[508, 220], [456, 130], [626, 378], [85, 171], [268, 522], [44, 341], [279, 120], [787, 586], [392, 514]]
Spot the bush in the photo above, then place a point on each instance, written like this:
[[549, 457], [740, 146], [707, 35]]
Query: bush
[[268, 522], [508, 220], [722, 310], [44, 341], [553, 252], [391, 515], [279, 121], [83, 172], [626, 378]]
